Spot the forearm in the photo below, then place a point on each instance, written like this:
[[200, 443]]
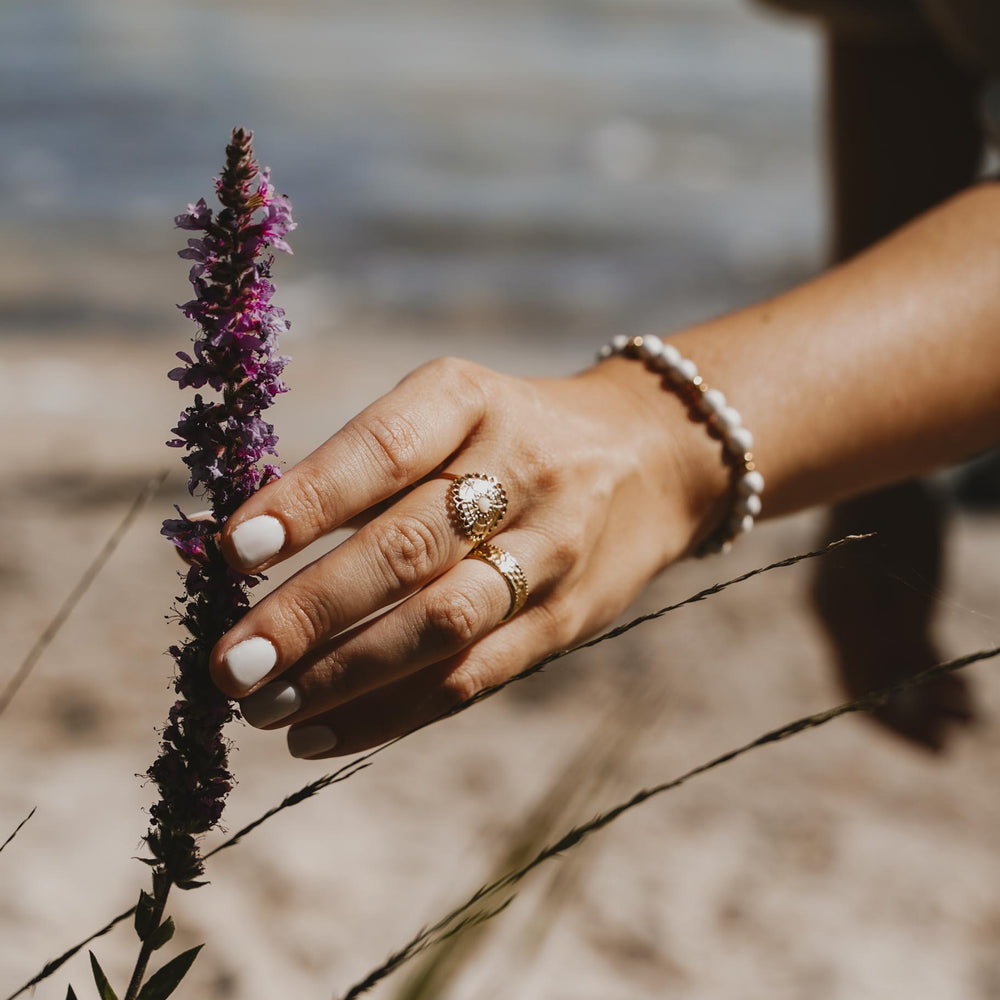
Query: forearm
[[883, 368]]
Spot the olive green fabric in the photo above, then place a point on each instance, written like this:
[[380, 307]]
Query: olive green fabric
[[875, 18], [970, 28]]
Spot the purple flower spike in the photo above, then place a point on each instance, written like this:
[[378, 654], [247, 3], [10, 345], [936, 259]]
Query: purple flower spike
[[225, 440]]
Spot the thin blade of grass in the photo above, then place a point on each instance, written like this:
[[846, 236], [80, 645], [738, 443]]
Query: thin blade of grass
[[446, 926], [301, 795], [306, 792], [56, 963], [360, 763], [702, 595], [597, 764], [84, 584], [17, 829], [614, 634]]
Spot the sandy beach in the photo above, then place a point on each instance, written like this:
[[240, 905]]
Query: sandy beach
[[508, 182], [839, 864]]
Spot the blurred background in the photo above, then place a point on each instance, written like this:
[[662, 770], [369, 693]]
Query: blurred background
[[513, 182], [548, 166]]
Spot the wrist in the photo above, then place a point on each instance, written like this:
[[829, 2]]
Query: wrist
[[691, 485]]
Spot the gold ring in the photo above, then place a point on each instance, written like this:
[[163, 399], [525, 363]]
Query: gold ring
[[509, 568], [479, 503]]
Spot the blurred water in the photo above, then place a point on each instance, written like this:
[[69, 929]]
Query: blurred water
[[561, 161]]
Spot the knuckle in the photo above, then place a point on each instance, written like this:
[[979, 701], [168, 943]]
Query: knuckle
[[566, 543], [448, 368], [409, 550], [459, 378], [393, 442], [315, 503], [453, 621], [567, 549], [307, 616], [339, 683], [460, 685], [558, 620]]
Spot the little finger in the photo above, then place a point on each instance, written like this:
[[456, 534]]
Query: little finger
[[423, 697], [439, 622]]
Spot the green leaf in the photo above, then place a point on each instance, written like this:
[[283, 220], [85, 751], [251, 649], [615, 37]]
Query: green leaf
[[103, 986], [162, 934], [145, 915], [163, 982], [190, 885], [70, 994]]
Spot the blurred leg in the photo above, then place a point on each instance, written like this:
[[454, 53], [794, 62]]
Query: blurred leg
[[904, 134], [903, 131]]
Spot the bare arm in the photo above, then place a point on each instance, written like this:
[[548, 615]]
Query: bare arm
[[885, 367]]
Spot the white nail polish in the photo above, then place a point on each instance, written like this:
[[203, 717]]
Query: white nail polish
[[258, 539], [250, 660], [271, 704], [307, 741]]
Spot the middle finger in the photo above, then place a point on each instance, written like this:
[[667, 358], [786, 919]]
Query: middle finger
[[446, 617], [386, 560]]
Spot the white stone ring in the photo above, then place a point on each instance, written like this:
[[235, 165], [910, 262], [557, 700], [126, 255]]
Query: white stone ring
[[478, 504]]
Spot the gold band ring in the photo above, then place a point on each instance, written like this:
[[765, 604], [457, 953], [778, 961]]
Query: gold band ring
[[479, 504], [509, 568]]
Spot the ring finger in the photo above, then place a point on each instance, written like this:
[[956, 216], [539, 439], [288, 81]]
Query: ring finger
[[386, 560], [459, 608], [420, 698]]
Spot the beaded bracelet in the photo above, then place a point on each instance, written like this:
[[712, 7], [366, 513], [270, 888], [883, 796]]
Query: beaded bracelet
[[723, 422]]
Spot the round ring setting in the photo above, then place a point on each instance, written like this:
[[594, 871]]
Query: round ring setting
[[479, 503], [509, 568]]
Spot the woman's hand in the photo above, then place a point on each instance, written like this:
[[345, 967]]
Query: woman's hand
[[879, 370], [597, 505]]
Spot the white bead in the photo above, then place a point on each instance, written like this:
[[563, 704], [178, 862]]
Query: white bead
[[728, 420], [712, 402], [672, 369], [651, 347], [687, 369], [670, 354], [667, 361], [749, 505], [663, 357], [750, 482], [739, 441]]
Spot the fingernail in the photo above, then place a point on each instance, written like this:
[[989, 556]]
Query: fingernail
[[307, 741], [258, 539], [250, 660], [271, 704]]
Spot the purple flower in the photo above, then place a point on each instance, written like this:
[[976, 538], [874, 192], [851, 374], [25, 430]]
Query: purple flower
[[225, 440], [196, 217], [190, 537]]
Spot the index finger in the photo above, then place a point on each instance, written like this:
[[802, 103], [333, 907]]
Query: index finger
[[397, 440]]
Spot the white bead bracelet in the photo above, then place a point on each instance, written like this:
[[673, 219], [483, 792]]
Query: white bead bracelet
[[723, 422]]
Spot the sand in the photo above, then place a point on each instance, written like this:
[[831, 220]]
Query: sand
[[840, 864]]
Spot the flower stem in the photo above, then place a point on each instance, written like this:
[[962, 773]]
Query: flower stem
[[161, 890]]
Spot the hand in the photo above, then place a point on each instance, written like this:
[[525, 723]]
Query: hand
[[595, 508]]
